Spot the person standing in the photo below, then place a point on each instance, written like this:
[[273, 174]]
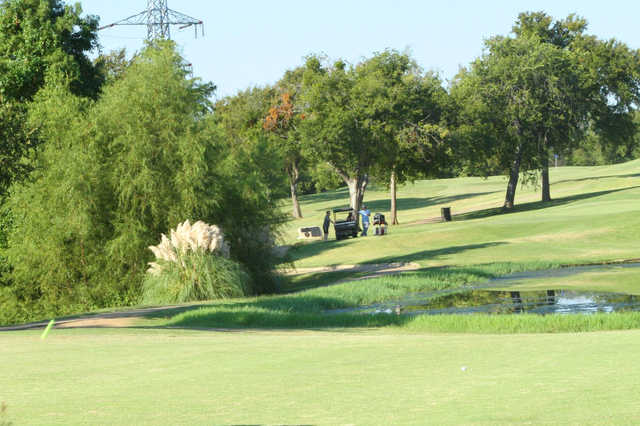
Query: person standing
[[365, 214], [325, 225]]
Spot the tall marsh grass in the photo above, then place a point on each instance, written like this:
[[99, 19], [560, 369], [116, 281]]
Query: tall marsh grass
[[307, 309]]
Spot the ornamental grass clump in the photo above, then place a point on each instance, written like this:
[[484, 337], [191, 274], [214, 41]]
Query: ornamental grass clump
[[193, 264]]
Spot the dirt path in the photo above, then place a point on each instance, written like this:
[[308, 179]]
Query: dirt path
[[132, 317], [374, 268], [108, 319]]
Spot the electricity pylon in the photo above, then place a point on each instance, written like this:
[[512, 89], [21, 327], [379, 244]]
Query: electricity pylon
[[158, 19]]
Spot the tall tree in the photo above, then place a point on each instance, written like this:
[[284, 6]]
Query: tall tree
[[337, 130], [405, 108], [596, 86], [241, 118], [39, 39], [283, 122], [115, 174], [40, 36], [545, 88], [500, 89]]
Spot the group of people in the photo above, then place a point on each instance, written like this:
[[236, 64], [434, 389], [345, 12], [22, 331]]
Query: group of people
[[365, 219]]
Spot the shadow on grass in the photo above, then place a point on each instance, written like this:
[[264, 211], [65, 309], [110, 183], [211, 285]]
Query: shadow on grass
[[536, 205], [434, 254], [630, 175], [313, 248], [303, 282], [417, 203], [325, 197]]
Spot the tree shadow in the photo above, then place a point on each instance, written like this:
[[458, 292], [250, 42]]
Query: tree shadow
[[434, 254], [313, 248], [417, 203], [323, 197], [630, 175], [535, 205]]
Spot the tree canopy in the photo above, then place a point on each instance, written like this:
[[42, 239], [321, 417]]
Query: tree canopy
[[542, 90]]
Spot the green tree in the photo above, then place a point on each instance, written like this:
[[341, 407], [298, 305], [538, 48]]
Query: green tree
[[283, 122], [42, 36], [337, 130], [39, 40], [405, 107], [112, 176], [112, 65], [541, 90], [497, 98], [241, 119], [531, 95], [15, 146], [596, 87]]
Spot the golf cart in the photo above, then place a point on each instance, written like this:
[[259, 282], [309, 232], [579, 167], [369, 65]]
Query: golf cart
[[347, 227]]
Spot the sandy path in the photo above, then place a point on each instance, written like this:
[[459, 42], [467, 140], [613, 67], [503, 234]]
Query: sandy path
[[374, 268], [129, 318], [109, 319]]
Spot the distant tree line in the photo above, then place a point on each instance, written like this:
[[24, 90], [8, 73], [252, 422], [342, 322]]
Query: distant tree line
[[548, 91], [99, 157]]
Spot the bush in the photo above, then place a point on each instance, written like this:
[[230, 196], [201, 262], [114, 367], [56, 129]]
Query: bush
[[197, 275], [114, 174]]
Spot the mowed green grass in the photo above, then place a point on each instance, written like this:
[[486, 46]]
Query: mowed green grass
[[379, 369], [318, 377], [594, 217]]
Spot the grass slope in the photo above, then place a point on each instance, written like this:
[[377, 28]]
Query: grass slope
[[594, 217]]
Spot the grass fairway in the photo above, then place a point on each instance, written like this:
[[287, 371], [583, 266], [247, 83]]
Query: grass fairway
[[314, 377], [593, 217], [374, 369]]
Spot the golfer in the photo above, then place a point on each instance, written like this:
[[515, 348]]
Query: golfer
[[325, 225], [365, 214]]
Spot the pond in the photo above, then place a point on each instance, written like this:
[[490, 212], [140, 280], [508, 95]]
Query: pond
[[492, 298]]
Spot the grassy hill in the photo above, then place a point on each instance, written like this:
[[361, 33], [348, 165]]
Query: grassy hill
[[593, 217]]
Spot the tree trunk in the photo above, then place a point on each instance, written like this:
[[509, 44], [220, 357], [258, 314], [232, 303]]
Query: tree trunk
[[394, 193], [546, 187], [294, 176], [514, 173], [544, 158], [357, 186]]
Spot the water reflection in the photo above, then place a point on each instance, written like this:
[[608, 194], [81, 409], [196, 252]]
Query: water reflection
[[481, 298], [509, 302]]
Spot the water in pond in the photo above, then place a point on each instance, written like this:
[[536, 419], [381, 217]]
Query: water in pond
[[514, 302], [485, 299]]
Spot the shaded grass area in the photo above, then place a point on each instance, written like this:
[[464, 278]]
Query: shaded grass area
[[252, 317]]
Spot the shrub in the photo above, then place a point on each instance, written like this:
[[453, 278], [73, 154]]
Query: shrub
[[197, 275], [193, 265]]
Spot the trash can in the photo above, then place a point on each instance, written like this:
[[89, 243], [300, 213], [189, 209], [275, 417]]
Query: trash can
[[445, 212]]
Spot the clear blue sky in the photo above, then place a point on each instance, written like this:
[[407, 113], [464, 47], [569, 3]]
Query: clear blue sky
[[249, 43]]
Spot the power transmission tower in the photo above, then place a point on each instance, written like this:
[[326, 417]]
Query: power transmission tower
[[158, 19]]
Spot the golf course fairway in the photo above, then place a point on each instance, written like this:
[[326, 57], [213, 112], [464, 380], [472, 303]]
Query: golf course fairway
[[279, 360]]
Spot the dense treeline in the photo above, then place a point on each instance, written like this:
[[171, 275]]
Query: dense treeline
[[99, 158], [113, 171]]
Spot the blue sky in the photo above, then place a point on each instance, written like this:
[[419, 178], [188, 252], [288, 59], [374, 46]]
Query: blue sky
[[250, 43]]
